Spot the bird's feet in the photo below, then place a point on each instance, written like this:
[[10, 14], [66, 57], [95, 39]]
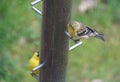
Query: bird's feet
[[34, 75], [76, 41]]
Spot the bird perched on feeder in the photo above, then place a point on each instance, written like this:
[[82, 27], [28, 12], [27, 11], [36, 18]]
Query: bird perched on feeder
[[77, 30], [34, 62]]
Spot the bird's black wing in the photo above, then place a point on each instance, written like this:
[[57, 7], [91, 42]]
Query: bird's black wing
[[82, 33], [85, 32], [96, 34], [90, 29]]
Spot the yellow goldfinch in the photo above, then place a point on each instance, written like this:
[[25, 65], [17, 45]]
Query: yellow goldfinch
[[77, 30], [34, 62]]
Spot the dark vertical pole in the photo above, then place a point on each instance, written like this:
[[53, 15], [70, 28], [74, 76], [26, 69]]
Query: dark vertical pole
[[54, 44]]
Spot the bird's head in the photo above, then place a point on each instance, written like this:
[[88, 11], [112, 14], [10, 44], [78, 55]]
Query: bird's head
[[36, 55], [77, 26]]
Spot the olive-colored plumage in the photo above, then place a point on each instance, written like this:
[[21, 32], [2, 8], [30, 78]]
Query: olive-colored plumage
[[78, 30]]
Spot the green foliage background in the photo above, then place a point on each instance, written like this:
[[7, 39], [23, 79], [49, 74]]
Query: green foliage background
[[94, 59]]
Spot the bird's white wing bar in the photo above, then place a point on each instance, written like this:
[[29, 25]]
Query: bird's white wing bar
[[35, 2], [74, 46]]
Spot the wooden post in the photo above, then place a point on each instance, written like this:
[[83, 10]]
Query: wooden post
[[54, 44]]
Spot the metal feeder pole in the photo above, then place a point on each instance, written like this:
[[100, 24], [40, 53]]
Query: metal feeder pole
[[54, 41]]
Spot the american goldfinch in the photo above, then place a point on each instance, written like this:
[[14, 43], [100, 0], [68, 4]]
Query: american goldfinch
[[34, 62], [78, 30]]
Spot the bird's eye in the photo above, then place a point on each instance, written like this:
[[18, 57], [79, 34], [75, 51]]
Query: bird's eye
[[38, 54]]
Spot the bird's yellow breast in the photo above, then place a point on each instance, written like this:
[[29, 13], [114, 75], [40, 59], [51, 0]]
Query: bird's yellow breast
[[33, 63], [71, 31]]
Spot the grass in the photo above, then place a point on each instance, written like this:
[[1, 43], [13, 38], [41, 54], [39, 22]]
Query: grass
[[93, 60]]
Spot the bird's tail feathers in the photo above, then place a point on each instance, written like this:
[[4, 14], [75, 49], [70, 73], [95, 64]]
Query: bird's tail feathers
[[100, 36]]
